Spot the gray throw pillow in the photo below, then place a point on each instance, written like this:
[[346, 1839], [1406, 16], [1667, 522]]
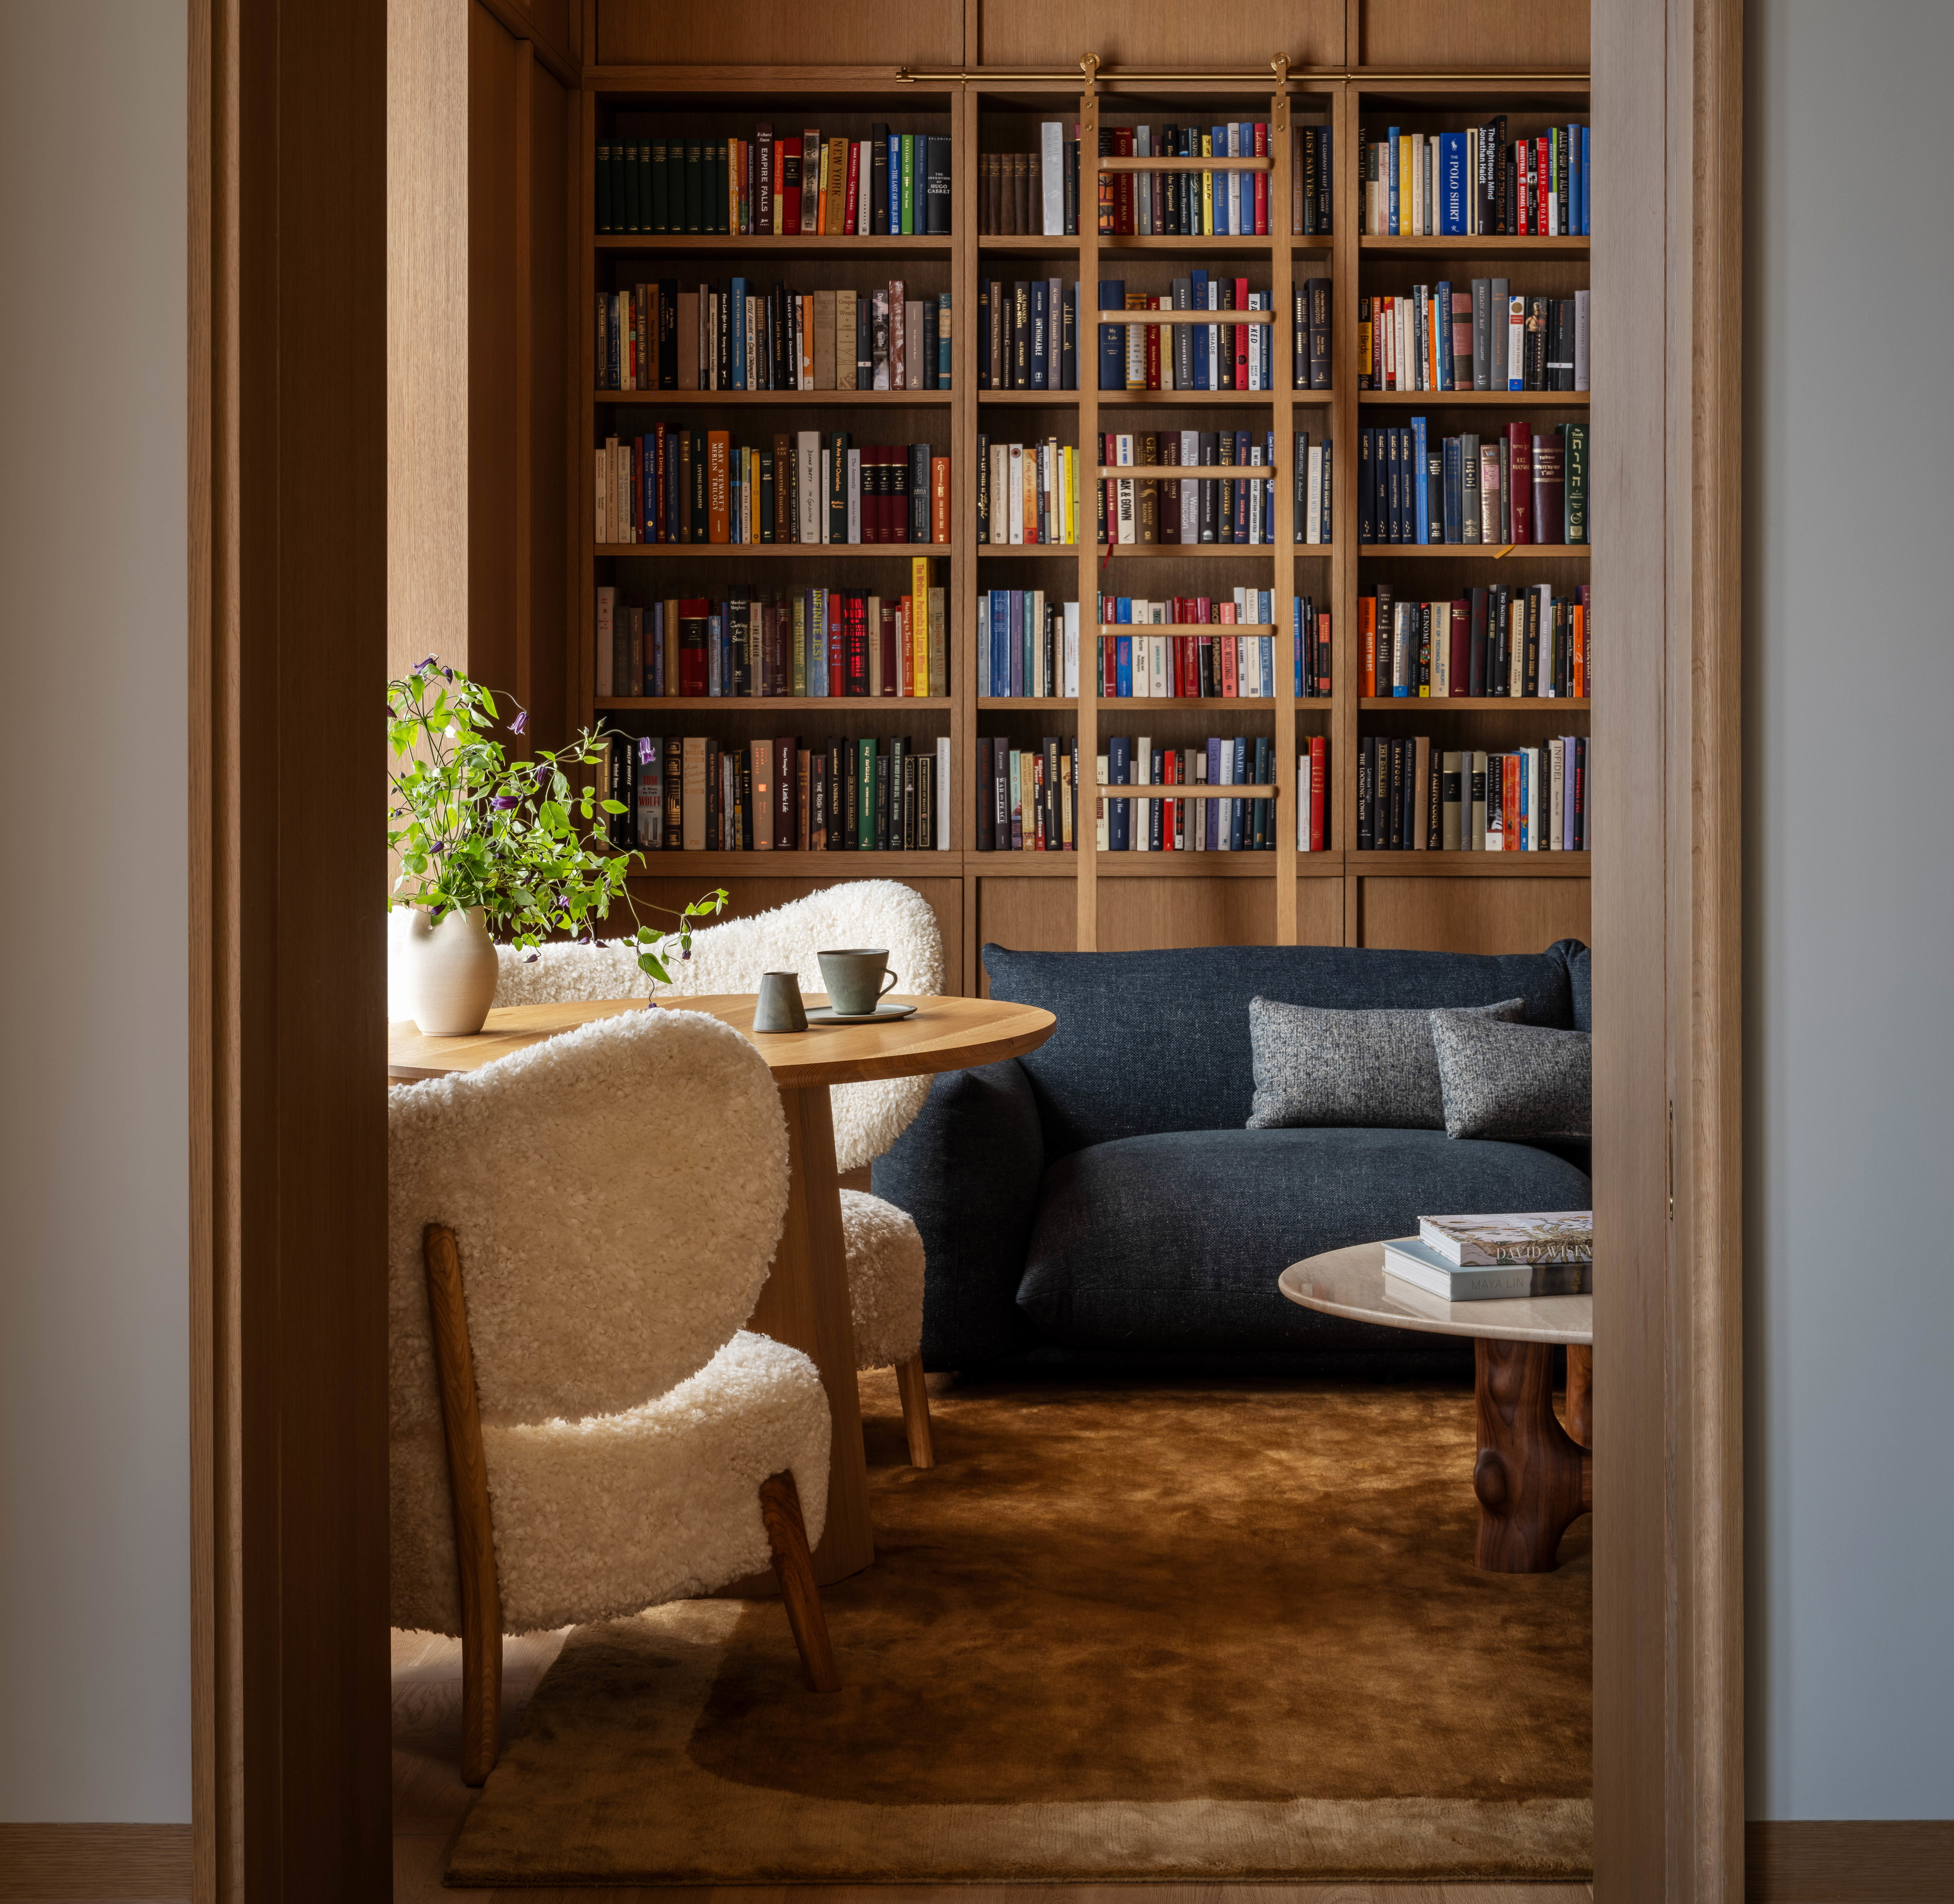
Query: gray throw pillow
[[1366, 1069], [1525, 1082]]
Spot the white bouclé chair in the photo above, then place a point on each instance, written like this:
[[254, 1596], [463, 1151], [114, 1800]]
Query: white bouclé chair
[[579, 1427], [885, 1253]]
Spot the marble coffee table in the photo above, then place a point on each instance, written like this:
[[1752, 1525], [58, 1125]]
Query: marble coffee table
[[1533, 1475]]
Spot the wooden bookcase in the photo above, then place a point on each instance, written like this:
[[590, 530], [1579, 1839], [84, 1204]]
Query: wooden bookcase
[[1461, 900]]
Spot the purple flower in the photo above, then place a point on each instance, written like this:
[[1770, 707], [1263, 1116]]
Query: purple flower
[[542, 770], [421, 666], [503, 802], [645, 750], [521, 722]]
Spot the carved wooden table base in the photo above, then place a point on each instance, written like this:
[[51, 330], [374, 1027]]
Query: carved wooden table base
[[1532, 1477]]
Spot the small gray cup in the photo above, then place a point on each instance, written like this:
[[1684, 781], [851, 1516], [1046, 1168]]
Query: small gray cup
[[855, 979], [778, 1007]]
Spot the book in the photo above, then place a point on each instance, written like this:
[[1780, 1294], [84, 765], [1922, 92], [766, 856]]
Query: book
[[1410, 1260], [1533, 1236]]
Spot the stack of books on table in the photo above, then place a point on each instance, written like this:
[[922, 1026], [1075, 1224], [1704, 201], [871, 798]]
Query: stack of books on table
[[1475, 1259]]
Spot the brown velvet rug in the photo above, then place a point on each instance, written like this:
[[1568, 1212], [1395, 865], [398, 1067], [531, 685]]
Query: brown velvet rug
[[1145, 1631]]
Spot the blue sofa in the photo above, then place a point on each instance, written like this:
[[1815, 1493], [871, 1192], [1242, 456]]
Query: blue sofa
[[1101, 1197]]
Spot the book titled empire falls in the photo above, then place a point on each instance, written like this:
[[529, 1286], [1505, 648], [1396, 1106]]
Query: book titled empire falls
[[1479, 1258]]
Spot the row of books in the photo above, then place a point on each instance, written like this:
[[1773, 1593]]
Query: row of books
[[1027, 492], [1510, 489], [673, 485], [890, 183], [1036, 193], [1029, 646], [1211, 662], [1187, 825], [1486, 337], [686, 793], [1028, 336], [754, 644], [1414, 796], [654, 336], [1500, 641], [1461, 184]]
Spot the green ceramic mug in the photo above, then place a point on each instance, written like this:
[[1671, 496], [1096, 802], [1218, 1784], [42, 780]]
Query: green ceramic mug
[[855, 979]]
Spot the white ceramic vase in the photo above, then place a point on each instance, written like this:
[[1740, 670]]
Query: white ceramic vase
[[451, 971]]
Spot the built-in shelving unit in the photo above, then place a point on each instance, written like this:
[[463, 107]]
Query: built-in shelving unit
[[1088, 898]]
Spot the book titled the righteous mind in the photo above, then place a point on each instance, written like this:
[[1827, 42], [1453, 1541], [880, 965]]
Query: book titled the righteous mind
[[1531, 1237]]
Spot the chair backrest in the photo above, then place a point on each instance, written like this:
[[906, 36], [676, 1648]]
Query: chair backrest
[[731, 957], [617, 1194]]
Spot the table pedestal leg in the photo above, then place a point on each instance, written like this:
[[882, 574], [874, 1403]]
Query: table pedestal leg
[[1578, 1416], [1530, 1478], [805, 1303]]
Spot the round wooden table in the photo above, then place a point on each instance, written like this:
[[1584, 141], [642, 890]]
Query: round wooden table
[[1532, 1476], [804, 1301]]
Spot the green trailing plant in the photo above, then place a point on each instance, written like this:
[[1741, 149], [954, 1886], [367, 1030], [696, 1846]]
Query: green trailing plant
[[519, 838]]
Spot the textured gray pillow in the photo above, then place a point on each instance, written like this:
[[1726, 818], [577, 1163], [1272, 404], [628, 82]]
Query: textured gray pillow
[[1522, 1082], [1374, 1069]]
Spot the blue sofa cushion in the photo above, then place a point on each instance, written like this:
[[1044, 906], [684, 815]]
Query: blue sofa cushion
[[1150, 1041], [1174, 1243]]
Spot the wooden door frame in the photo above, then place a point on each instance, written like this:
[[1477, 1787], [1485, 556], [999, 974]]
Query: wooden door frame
[[1668, 288], [287, 614], [287, 609]]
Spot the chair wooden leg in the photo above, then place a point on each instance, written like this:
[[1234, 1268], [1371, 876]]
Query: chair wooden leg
[[468, 1494], [793, 1567], [916, 1411]]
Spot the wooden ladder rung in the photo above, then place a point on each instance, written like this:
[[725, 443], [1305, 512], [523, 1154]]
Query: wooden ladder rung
[[1224, 317], [1193, 472], [1200, 790], [1199, 163]]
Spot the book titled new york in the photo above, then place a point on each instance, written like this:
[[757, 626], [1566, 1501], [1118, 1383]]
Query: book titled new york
[[1410, 1260], [1531, 1237]]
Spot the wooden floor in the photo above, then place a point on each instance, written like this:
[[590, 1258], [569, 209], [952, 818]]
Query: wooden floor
[[429, 1800]]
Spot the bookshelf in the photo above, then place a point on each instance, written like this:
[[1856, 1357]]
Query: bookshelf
[[1089, 899]]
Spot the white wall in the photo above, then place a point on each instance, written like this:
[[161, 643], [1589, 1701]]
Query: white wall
[[94, 1401], [1850, 909]]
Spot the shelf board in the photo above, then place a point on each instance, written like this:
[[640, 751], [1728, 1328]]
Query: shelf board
[[1151, 399], [770, 552], [1111, 703], [1475, 399], [783, 399], [1195, 550], [1441, 865], [1477, 703], [1234, 245], [1478, 552], [736, 241], [796, 864], [1134, 866], [1437, 247], [764, 703]]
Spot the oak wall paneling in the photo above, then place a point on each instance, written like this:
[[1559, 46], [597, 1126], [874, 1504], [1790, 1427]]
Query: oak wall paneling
[[1136, 914], [1480, 914], [1027, 915], [427, 287], [740, 32], [1491, 35], [1159, 34]]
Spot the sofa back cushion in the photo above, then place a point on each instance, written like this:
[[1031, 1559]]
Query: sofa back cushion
[[1151, 1042]]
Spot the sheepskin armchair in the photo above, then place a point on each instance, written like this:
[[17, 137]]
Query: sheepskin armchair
[[578, 1426], [731, 956]]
